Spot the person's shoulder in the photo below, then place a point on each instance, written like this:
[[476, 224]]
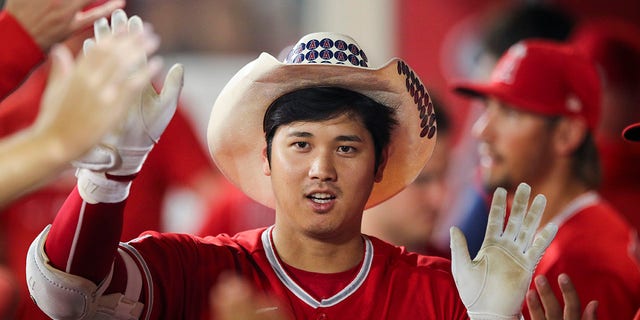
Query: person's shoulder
[[247, 240], [595, 215]]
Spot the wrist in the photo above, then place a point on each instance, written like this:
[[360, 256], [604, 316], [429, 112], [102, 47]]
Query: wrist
[[490, 316], [95, 187], [132, 161]]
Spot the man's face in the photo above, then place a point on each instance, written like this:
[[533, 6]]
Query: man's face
[[515, 146], [408, 218], [322, 174]]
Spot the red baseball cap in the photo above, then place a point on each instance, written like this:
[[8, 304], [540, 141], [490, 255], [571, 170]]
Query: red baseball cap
[[543, 77]]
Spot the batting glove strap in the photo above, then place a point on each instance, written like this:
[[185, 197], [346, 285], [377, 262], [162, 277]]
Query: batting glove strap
[[489, 316], [132, 160], [95, 187]]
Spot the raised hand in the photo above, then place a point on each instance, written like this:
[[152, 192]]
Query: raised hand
[[123, 151], [83, 100], [543, 304], [493, 285], [52, 21], [233, 298]]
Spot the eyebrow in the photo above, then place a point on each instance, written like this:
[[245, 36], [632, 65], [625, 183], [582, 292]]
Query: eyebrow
[[304, 134]]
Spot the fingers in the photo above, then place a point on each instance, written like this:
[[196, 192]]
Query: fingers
[[518, 210], [496, 214], [119, 56], [531, 223], [536, 311], [572, 301], [229, 299], [233, 298], [119, 21], [173, 82], [135, 24], [62, 62], [541, 243], [101, 29], [459, 249], [590, 311], [87, 45], [119, 24], [84, 19], [544, 304], [549, 301], [570, 297]]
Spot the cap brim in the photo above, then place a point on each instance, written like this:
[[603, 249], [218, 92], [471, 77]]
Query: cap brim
[[632, 132], [235, 133], [472, 90]]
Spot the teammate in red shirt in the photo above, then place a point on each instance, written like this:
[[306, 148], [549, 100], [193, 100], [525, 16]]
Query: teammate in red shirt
[[328, 153], [543, 105], [614, 44]]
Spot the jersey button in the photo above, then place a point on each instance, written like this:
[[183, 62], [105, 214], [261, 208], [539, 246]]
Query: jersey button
[[321, 316]]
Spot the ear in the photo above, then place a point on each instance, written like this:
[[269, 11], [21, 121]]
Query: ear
[[384, 156], [266, 167], [569, 135]]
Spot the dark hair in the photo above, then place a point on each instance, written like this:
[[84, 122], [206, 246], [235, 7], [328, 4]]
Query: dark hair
[[586, 163], [324, 103], [585, 159]]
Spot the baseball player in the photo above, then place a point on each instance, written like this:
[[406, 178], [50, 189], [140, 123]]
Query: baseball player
[[319, 137], [542, 106]]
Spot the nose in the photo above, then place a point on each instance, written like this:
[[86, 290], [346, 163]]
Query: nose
[[323, 168], [481, 128], [485, 128]]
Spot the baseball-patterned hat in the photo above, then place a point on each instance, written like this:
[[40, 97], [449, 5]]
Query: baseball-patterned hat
[[543, 77], [235, 134]]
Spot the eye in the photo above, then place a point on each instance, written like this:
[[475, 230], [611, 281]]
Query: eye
[[300, 145], [511, 113], [346, 149]]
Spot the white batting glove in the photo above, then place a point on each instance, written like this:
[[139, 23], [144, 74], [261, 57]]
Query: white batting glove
[[493, 285], [105, 173]]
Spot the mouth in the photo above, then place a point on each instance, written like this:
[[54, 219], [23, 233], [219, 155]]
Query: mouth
[[488, 158], [321, 197]]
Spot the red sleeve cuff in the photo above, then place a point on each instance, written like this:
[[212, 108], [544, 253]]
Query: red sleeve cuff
[[19, 53]]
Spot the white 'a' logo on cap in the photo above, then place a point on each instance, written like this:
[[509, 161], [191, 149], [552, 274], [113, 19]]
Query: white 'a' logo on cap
[[506, 69], [573, 103]]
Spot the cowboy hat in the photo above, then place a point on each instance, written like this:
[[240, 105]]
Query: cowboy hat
[[235, 133]]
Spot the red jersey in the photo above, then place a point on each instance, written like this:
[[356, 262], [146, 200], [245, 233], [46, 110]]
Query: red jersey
[[19, 54], [179, 271], [592, 246]]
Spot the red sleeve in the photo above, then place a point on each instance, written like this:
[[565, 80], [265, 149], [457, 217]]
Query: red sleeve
[[18, 56], [84, 237]]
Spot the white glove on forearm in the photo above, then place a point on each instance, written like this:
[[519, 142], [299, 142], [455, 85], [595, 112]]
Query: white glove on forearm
[[122, 152], [493, 285]]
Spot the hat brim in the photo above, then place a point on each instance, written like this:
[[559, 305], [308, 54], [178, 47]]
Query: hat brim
[[502, 93], [632, 132], [235, 133], [477, 90]]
